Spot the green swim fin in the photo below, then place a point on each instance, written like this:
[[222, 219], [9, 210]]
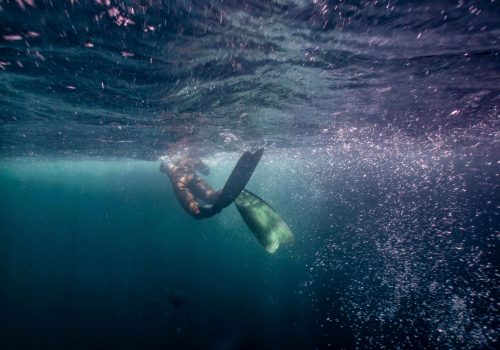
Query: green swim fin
[[264, 222], [239, 178]]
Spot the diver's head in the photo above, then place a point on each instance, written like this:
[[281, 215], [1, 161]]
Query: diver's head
[[166, 166]]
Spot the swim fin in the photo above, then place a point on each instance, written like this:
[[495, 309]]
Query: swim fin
[[239, 178], [264, 222]]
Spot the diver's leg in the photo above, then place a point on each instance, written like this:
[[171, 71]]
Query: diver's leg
[[203, 190], [186, 198]]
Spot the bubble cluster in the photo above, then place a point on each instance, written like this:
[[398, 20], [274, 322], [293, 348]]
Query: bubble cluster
[[410, 250]]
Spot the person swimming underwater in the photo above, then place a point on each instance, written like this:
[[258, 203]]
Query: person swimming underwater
[[189, 188], [195, 195]]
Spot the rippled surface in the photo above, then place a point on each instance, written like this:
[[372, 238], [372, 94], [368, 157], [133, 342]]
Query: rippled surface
[[128, 78], [381, 117]]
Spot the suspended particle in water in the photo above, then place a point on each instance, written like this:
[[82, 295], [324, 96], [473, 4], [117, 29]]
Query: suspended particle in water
[[12, 37]]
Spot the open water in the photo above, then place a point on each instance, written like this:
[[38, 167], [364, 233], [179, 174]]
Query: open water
[[380, 121]]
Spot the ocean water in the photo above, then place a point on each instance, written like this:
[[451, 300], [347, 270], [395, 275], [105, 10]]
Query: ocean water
[[380, 121]]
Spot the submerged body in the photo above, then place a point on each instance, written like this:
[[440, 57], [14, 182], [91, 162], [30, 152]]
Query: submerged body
[[192, 191]]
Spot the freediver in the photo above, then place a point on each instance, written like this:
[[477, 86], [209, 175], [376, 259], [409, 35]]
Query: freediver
[[196, 196], [189, 188]]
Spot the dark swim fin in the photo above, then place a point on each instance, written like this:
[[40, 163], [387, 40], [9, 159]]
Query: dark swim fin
[[239, 178]]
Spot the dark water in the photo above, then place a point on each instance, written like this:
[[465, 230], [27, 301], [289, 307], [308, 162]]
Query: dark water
[[380, 121]]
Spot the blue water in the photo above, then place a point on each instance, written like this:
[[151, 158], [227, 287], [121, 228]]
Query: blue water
[[380, 121]]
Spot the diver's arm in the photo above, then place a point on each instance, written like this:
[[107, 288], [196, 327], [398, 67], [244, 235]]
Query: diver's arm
[[187, 199]]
